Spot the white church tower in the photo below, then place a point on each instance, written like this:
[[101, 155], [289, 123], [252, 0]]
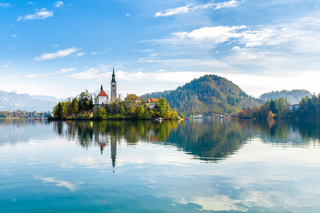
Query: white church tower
[[113, 87]]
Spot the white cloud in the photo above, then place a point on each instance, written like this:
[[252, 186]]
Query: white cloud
[[268, 36], [219, 34], [5, 5], [218, 203], [39, 75], [59, 54], [128, 14], [151, 56], [14, 35], [30, 2], [175, 11], [42, 14], [236, 48], [6, 66], [98, 53], [65, 70], [92, 73], [101, 73], [191, 7], [81, 54], [211, 62], [58, 183], [255, 84], [228, 4], [58, 4]]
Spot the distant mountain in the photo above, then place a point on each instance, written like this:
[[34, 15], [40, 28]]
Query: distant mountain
[[13, 101], [293, 96], [46, 98], [209, 94]]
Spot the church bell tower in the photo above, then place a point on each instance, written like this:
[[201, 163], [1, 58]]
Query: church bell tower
[[113, 87]]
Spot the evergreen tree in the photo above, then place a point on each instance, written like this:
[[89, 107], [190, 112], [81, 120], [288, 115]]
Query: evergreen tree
[[74, 106], [59, 112]]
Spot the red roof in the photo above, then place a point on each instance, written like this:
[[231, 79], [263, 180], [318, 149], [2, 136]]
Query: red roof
[[153, 100], [132, 97], [102, 93]]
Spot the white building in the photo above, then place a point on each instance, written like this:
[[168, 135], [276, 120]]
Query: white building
[[151, 102], [102, 97]]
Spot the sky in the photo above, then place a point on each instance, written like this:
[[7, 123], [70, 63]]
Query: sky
[[61, 48]]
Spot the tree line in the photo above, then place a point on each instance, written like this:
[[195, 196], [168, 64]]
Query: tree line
[[22, 114], [82, 107], [309, 107], [270, 108]]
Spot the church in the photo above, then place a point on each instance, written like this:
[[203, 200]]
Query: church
[[102, 97]]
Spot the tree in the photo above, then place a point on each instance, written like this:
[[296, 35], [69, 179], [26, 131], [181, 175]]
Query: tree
[[273, 106], [163, 107], [146, 114], [140, 112], [74, 106], [101, 113], [91, 103], [132, 111], [57, 111]]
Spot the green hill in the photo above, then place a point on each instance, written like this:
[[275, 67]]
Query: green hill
[[293, 96], [209, 94]]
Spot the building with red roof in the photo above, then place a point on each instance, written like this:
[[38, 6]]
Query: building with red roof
[[102, 97], [131, 98], [151, 102]]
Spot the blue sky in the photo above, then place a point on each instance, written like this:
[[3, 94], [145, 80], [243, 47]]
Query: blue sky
[[62, 48]]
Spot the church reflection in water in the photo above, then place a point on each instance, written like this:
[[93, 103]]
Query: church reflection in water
[[103, 141], [207, 140]]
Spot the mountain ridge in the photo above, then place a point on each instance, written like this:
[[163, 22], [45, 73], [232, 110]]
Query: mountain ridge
[[208, 94], [292, 96], [12, 101]]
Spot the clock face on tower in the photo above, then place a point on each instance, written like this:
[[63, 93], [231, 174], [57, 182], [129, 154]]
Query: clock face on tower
[[113, 91]]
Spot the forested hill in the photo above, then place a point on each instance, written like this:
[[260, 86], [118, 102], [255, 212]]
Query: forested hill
[[293, 96], [209, 94]]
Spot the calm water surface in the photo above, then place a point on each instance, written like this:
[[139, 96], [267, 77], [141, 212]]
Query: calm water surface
[[199, 166]]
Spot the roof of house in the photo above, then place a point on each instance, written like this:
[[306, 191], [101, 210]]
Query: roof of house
[[102, 93], [131, 97], [153, 100]]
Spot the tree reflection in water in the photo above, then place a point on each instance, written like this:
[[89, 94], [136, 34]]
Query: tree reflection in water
[[210, 141]]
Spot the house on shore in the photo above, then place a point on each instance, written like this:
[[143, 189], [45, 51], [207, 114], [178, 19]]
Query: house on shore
[[131, 98], [151, 102], [102, 98]]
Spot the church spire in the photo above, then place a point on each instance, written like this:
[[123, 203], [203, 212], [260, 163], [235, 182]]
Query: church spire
[[101, 88], [113, 77], [113, 87]]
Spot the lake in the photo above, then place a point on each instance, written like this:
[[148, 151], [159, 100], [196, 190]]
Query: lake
[[147, 166]]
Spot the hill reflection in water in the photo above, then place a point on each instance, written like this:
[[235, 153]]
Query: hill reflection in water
[[147, 166], [208, 140]]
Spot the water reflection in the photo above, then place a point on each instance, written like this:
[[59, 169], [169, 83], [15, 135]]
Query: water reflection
[[206, 140], [22, 130], [66, 166], [288, 132]]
